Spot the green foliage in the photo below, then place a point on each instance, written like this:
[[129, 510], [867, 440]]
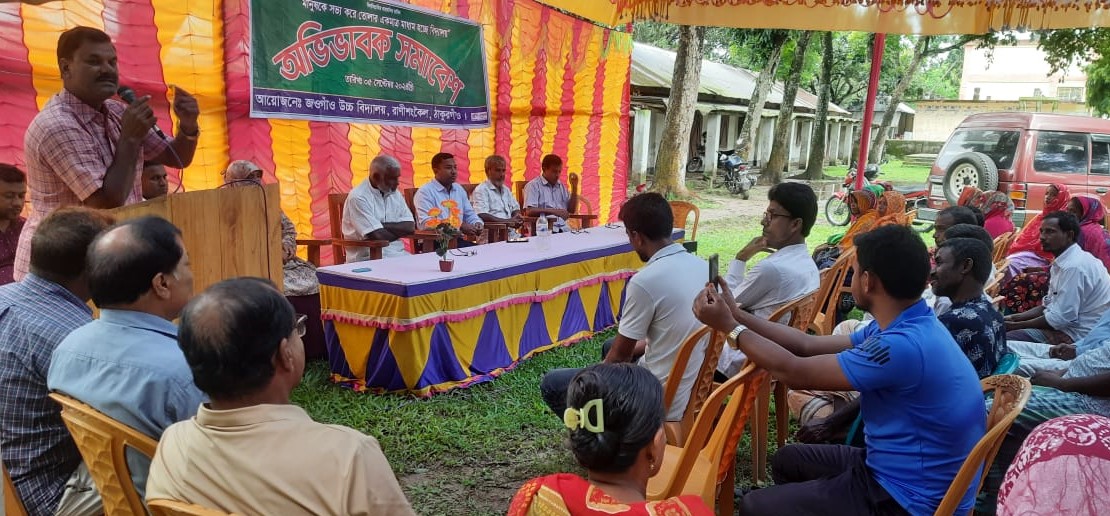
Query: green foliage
[[1098, 86], [939, 77], [444, 233], [1064, 48]]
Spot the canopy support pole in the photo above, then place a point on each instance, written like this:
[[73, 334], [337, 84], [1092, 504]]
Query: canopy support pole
[[869, 107]]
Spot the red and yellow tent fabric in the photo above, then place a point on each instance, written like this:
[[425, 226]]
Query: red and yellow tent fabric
[[558, 84], [880, 16]]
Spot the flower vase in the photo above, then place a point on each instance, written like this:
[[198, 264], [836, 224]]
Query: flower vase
[[446, 265]]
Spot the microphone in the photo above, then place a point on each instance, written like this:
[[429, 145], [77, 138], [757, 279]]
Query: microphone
[[128, 96]]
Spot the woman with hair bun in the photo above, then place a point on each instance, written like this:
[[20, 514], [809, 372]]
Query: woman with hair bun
[[615, 418]]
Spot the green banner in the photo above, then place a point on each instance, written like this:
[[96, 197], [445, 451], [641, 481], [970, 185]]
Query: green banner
[[366, 61]]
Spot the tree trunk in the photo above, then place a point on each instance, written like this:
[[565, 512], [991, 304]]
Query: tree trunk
[[815, 168], [763, 84], [670, 162], [878, 143], [780, 146]]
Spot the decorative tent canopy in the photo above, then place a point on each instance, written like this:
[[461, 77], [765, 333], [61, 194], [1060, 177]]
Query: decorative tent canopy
[[880, 16]]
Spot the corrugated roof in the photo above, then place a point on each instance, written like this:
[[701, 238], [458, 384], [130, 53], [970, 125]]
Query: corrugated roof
[[653, 67]]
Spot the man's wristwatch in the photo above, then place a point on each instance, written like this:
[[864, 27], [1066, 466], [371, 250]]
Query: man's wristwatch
[[734, 334]]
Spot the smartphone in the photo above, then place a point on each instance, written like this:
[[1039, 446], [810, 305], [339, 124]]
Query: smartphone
[[517, 240], [363, 269], [714, 268]]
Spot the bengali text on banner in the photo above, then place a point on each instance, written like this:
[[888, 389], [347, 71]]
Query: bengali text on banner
[[366, 61]]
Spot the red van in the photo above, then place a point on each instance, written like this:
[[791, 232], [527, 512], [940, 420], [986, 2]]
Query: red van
[[1021, 154]]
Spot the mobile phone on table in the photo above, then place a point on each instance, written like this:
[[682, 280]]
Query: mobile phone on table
[[714, 268]]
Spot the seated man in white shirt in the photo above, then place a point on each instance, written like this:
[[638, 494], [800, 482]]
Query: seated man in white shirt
[[656, 317], [494, 201], [375, 210], [786, 274], [546, 196], [441, 200], [1078, 290]]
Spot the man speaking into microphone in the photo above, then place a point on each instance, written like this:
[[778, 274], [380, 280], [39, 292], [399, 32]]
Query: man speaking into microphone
[[85, 147]]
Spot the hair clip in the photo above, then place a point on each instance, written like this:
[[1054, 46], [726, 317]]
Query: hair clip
[[579, 418]]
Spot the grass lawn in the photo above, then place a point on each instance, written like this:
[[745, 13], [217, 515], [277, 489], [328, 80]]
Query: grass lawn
[[467, 451], [894, 171]]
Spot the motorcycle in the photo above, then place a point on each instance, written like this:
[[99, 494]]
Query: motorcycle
[[734, 173], [836, 207]]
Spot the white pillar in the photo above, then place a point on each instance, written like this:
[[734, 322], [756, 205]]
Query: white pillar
[[792, 142], [657, 120], [712, 141], [766, 138], [641, 144], [847, 135], [832, 147], [806, 140], [733, 131]]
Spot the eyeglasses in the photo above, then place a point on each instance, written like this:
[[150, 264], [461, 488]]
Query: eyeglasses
[[770, 215], [300, 325], [256, 174]]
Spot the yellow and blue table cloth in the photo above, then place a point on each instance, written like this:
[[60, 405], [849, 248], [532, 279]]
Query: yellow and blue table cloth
[[404, 326]]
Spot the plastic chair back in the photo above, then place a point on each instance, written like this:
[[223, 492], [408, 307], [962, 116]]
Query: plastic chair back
[[677, 430], [103, 442], [682, 211], [828, 294], [13, 505], [1007, 364], [1011, 392], [705, 464]]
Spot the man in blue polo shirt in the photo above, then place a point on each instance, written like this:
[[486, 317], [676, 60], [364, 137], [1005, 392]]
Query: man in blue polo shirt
[[921, 402]]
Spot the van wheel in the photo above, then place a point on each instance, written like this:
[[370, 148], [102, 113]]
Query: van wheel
[[970, 169]]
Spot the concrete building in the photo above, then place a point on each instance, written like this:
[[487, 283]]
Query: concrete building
[[723, 99], [936, 119], [1009, 78], [1014, 72]]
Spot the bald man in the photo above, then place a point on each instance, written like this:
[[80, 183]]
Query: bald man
[[127, 363], [375, 210], [243, 342]]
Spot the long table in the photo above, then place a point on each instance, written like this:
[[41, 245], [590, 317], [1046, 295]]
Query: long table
[[404, 326]]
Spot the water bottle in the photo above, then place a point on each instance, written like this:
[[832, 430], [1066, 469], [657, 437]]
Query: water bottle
[[543, 235]]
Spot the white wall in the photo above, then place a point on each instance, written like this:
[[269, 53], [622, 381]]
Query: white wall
[[1014, 72]]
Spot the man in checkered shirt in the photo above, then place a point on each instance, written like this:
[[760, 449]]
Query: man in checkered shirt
[[35, 315], [84, 148]]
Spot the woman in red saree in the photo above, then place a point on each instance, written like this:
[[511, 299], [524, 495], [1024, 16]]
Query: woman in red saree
[[1063, 468], [615, 416], [1092, 237]]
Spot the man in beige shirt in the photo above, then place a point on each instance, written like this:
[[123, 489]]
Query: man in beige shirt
[[245, 451]]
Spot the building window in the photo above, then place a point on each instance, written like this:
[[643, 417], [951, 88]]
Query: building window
[[1037, 92], [975, 96], [1070, 93]]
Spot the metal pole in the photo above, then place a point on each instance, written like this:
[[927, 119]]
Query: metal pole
[[869, 107]]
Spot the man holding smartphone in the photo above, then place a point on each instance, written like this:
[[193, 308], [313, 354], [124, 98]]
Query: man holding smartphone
[[656, 317]]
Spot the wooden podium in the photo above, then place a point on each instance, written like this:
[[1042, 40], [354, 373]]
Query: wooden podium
[[228, 232]]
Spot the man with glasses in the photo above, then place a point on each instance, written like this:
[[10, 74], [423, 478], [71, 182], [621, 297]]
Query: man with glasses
[[784, 275], [298, 275], [127, 363], [245, 452]]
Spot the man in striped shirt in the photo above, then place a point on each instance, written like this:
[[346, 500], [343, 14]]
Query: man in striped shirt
[[35, 315], [84, 148]]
